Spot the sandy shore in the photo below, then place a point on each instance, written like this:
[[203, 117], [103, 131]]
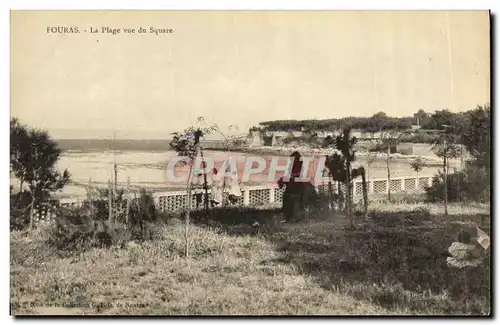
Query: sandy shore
[[305, 151]]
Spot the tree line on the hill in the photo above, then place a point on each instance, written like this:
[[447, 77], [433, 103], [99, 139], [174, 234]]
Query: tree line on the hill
[[378, 122]]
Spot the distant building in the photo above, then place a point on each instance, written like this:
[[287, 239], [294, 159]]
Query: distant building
[[277, 138], [324, 134], [255, 139]]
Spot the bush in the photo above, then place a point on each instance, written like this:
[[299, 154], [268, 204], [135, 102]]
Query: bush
[[478, 182], [81, 228], [420, 137], [471, 185], [456, 191]]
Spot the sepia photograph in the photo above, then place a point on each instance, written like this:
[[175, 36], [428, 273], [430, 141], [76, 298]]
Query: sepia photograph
[[250, 163]]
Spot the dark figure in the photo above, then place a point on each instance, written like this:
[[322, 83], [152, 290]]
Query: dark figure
[[298, 196]]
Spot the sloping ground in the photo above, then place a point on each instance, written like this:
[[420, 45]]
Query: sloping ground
[[395, 259], [225, 276], [392, 263]]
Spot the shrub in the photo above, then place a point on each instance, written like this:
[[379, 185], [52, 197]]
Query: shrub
[[471, 185], [456, 191], [418, 138], [81, 228]]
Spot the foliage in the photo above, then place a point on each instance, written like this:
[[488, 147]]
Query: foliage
[[470, 185], [475, 182], [421, 114], [238, 142], [418, 137], [336, 167], [417, 164], [455, 188], [476, 137], [19, 210], [78, 229], [479, 181], [184, 143], [188, 144], [311, 140], [460, 122], [387, 143], [33, 158], [447, 147], [340, 166], [379, 121], [337, 163]]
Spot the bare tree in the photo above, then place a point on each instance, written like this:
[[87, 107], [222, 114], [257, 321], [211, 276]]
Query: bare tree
[[188, 143], [446, 148], [386, 142], [371, 156]]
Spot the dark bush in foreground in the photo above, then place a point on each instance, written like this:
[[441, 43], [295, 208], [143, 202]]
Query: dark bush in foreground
[[472, 185]]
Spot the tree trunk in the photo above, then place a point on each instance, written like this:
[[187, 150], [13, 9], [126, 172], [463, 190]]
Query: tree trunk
[[186, 223], [32, 210], [348, 194], [188, 206], [115, 181], [110, 204], [18, 196], [330, 191], [445, 172], [365, 193], [340, 196], [129, 201], [205, 182], [388, 175]]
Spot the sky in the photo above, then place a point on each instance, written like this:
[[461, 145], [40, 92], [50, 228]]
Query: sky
[[241, 68]]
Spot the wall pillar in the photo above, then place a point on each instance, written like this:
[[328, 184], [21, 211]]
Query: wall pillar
[[271, 195], [246, 197]]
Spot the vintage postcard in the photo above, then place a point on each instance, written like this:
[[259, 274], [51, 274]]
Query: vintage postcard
[[250, 163]]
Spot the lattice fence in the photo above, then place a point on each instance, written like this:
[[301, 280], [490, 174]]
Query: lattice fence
[[396, 185], [410, 184], [379, 187], [239, 201], [342, 187], [176, 201], [259, 197], [423, 182], [42, 213], [173, 202], [278, 195], [358, 188]]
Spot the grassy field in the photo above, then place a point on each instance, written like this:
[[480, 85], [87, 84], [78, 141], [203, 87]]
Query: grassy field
[[390, 264]]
